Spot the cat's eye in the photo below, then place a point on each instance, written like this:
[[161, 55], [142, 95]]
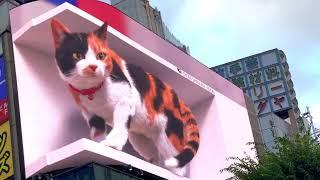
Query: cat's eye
[[77, 56], [101, 55]]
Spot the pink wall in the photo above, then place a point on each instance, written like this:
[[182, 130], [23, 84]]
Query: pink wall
[[225, 130]]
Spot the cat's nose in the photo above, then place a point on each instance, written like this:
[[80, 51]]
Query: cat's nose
[[93, 67]]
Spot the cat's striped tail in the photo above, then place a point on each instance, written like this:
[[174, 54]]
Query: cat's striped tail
[[191, 139]]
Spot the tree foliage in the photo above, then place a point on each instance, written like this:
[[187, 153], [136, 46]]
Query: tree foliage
[[298, 158]]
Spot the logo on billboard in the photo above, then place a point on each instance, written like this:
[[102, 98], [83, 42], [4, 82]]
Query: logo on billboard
[[6, 161], [195, 80]]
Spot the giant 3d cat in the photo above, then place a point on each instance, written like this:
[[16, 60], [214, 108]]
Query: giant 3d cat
[[136, 104]]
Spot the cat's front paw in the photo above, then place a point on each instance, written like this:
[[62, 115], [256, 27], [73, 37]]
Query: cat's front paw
[[116, 140], [113, 143]]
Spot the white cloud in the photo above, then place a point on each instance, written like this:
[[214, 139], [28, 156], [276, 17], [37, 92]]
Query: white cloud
[[243, 27]]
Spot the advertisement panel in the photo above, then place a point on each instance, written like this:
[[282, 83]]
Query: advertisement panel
[[85, 89], [87, 92], [3, 92], [6, 160]]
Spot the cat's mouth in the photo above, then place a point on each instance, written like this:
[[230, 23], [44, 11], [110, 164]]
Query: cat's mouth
[[93, 75]]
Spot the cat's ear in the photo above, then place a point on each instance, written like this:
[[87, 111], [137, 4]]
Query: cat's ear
[[102, 32], [59, 31]]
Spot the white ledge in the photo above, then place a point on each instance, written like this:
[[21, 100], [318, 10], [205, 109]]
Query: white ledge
[[85, 151]]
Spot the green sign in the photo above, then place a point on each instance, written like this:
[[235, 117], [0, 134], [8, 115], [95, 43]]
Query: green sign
[[272, 73], [238, 81], [255, 78]]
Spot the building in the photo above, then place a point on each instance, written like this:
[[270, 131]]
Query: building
[[149, 17], [266, 79], [307, 120], [255, 126]]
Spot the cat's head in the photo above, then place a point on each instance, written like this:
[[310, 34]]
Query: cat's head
[[81, 57]]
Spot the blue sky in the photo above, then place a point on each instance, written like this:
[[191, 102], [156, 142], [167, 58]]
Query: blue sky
[[219, 31]]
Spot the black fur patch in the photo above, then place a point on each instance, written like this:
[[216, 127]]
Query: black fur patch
[[117, 73], [129, 122], [194, 145], [174, 125], [97, 122], [185, 157], [160, 87], [72, 43], [140, 79], [175, 99]]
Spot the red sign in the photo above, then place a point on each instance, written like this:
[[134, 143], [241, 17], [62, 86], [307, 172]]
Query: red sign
[[3, 111]]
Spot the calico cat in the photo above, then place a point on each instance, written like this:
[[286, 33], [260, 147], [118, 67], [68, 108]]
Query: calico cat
[[136, 104]]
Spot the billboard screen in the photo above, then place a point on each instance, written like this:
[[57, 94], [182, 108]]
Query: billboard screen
[[85, 89], [87, 92]]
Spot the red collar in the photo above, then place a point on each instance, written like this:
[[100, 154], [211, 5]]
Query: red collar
[[87, 92]]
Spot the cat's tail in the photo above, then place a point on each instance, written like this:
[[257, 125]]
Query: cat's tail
[[191, 139]]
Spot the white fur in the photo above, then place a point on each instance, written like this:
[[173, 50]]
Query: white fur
[[171, 163], [115, 102], [145, 147]]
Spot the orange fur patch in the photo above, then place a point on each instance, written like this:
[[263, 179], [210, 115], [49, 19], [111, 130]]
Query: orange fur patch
[[58, 29], [176, 142], [97, 45], [148, 99]]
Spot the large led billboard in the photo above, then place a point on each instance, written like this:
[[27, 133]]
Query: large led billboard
[[87, 92]]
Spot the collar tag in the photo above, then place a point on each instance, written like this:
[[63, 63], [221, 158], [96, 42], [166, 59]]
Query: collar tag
[[90, 96]]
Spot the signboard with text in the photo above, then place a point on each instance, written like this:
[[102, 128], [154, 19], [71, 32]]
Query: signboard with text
[[3, 93], [6, 160]]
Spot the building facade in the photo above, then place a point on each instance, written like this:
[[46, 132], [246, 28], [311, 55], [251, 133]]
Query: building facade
[[149, 17], [307, 120], [265, 77]]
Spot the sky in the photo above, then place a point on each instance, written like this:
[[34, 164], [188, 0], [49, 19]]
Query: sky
[[219, 31]]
